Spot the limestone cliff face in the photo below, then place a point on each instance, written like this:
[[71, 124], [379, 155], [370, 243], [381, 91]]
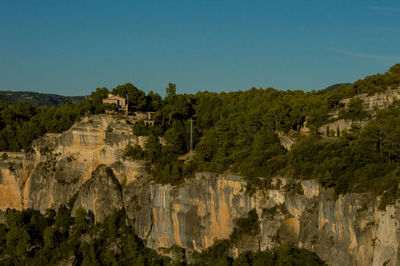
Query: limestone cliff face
[[86, 163], [333, 128], [371, 104], [378, 101], [191, 215], [62, 163], [14, 172], [100, 195], [347, 231], [289, 139]]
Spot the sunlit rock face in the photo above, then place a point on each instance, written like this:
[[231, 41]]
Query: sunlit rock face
[[349, 230], [370, 103], [377, 101], [191, 215], [13, 174], [84, 168], [62, 163]]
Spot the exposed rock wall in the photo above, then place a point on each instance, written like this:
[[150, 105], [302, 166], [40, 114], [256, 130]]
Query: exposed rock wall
[[378, 101], [62, 163], [371, 104], [336, 127], [347, 231], [86, 163], [100, 195], [289, 139], [14, 172]]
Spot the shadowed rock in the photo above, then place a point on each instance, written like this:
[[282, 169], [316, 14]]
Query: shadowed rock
[[100, 195]]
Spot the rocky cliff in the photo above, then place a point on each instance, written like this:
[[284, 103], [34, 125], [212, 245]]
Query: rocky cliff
[[370, 103], [377, 101], [350, 230], [62, 163], [86, 164]]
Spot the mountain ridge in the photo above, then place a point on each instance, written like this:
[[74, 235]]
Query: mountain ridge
[[37, 98]]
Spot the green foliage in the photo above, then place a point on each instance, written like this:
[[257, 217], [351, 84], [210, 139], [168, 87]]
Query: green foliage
[[282, 255], [153, 148], [237, 132], [175, 138], [361, 160], [134, 152], [233, 132], [110, 107], [354, 110], [218, 253], [379, 82], [30, 238], [80, 221], [22, 122], [140, 129], [137, 99], [246, 226], [289, 255]]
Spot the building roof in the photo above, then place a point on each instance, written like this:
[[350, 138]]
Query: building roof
[[116, 97]]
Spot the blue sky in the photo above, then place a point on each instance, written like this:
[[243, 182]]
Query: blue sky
[[72, 47]]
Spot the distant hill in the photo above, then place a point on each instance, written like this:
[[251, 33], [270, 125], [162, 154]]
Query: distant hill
[[11, 97], [335, 86]]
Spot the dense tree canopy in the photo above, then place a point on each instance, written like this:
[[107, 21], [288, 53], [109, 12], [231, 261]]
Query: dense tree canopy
[[237, 132]]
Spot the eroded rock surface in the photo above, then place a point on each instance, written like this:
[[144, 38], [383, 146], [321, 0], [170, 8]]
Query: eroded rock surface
[[87, 162], [101, 195], [370, 104], [349, 230], [62, 163]]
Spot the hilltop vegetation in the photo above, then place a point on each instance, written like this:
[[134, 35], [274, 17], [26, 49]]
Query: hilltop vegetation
[[234, 132], [237, 132], [361, 160]]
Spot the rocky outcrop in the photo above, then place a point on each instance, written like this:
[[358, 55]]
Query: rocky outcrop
[[287, 140], [85, 167], [191, 215], [62, 163], [14, 171], [371, 104], [378, 101], [101, 195], [335, 128], [350, 230]]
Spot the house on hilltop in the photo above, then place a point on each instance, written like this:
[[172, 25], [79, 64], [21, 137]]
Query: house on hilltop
[[122, 107], [120, 103]]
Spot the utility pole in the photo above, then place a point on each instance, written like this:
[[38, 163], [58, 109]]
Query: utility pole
[[191, 138]]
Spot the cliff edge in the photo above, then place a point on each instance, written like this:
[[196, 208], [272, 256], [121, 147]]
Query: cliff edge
[[85, 167]]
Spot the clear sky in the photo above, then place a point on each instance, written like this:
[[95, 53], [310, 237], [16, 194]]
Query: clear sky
[[72, 47]]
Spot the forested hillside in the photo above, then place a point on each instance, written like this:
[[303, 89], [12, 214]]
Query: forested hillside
[[233, 133], [237, 132]]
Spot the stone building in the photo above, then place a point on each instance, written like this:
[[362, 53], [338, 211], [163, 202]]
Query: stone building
[[147, 117], [121, 103]]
